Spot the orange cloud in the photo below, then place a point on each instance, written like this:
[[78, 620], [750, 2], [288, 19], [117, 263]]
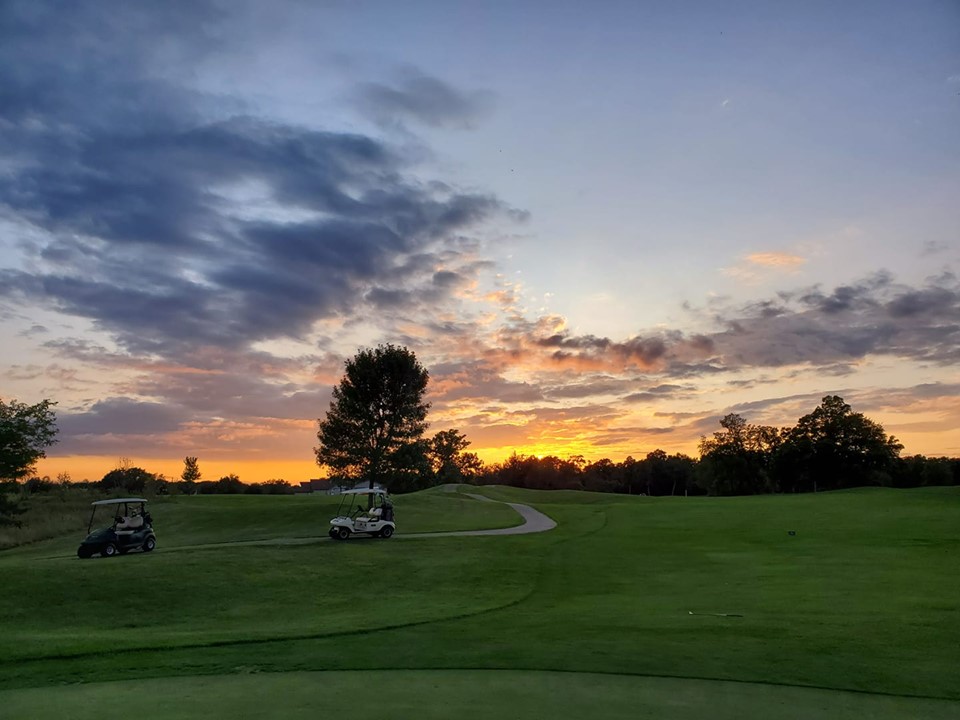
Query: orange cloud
[[776, 259]]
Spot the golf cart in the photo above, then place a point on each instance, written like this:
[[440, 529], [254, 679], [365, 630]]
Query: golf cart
[[131, 529], [376, 520]]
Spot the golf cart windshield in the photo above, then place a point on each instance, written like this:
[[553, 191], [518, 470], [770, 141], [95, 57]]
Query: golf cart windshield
[[366, 500], [126, 512]]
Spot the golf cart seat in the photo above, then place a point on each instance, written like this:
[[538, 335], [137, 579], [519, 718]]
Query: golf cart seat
[[129, 524], [371, 515]]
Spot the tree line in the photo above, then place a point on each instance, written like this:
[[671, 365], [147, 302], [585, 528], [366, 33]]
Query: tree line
[[375, 432], [377, 418], [133, 480], [831, 448]]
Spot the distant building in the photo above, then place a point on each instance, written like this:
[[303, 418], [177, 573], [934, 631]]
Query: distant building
[[331, 487], [317, 485], [365, 485]]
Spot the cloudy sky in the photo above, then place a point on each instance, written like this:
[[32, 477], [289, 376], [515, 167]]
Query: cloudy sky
[[601, 226]]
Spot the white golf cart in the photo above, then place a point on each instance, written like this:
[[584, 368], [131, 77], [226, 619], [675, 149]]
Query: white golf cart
[[376, 519]]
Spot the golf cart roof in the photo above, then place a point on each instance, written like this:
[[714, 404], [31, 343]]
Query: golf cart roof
[[117, 501], [365, 491]]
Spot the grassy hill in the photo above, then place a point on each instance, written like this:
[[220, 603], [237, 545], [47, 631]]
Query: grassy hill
[[56, 522], [854, 614]]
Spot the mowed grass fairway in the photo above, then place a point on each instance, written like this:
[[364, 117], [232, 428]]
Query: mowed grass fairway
[[856, 615]]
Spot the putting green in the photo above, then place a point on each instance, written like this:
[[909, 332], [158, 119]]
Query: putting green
[[462, 694]]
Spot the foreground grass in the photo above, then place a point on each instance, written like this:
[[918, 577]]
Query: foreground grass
[[862, 597], [462, 694], [201, 596], [229, 595]]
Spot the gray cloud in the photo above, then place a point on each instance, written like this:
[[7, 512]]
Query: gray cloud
[[933, 247], [607, 438], [238, 394], [922, 302], [477, 379], [145, 207], [187, 228], [116, 416], [935, 390], [874, 317], [448, 279], [760, 408], [846, 297], [659, 392], [645, 351], [594, 412], [588, 387], [98, 64], [385, 299], [422, 99], [826, 330], [257, 279], [245, 390]]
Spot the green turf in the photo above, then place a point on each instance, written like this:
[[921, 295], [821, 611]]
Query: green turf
[[186, 521], [228, 518], [230, 594], [863, 597], [461, 694], [194, 594]]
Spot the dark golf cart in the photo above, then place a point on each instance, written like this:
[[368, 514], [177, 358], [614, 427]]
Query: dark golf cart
[[131, 529]]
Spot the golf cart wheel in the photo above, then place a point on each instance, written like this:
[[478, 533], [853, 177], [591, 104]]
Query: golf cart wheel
[[109, 550], [386, 532], [84, 552], [149, 544], [342, 533]]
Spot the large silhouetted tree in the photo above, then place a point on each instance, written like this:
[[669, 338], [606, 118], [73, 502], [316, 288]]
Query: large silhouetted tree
[[25, 433], [127, 479], [662, 474], [373, 429], [738, 460], [604, 475], [451, 463], [834, 447]]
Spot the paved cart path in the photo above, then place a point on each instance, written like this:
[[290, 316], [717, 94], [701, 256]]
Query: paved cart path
[[534, 521]]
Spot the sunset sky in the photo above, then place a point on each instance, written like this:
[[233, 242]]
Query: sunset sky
[[600, 226]]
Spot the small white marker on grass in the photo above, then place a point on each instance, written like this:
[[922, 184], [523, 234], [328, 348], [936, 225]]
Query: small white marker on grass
[[715, 614]]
